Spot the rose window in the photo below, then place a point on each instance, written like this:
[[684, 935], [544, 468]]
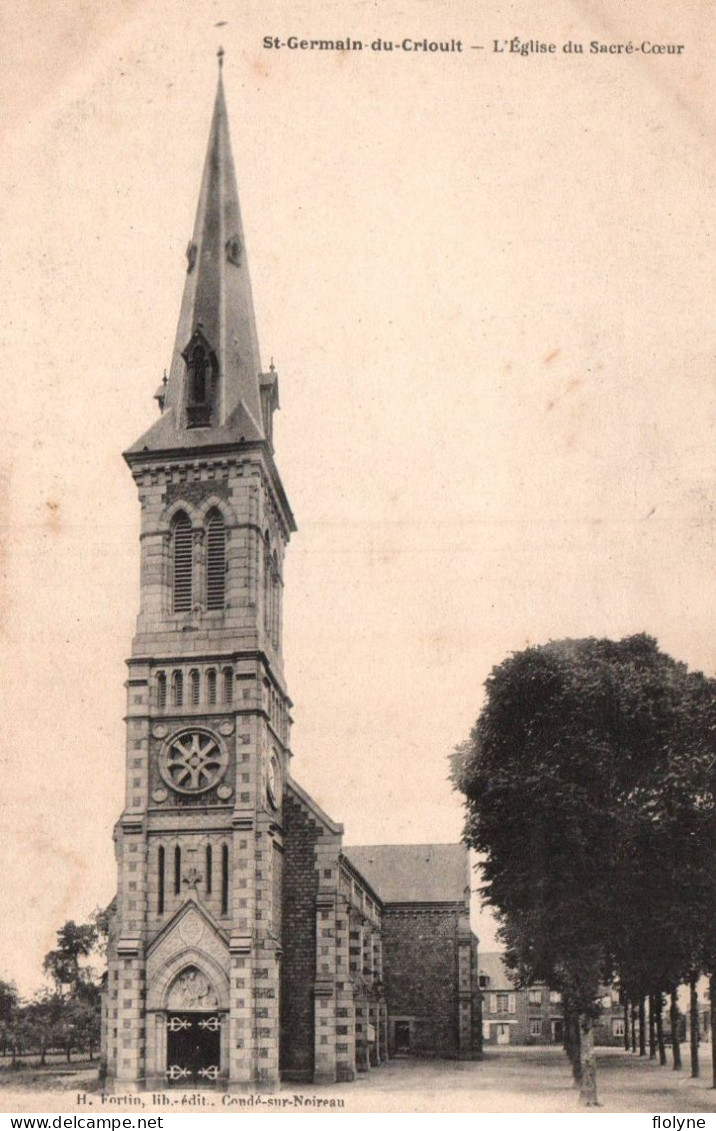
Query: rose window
[[193, 761]]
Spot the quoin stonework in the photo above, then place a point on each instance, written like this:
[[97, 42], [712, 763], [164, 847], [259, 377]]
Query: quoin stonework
[[247, 944]]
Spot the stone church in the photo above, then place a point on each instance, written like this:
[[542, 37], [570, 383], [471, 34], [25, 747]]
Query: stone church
[[247, 944]]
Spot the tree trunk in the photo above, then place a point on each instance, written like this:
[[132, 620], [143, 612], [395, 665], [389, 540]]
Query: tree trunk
[[652, 1027], [675, 1043], [572, 1041], [627, 1036], [633, 1026], [660, 1028], [642, 1027], [577, 1057], [588, 1063], [694, 1025]]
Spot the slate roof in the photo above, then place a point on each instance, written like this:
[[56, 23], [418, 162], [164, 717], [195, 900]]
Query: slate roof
[[413, 873]]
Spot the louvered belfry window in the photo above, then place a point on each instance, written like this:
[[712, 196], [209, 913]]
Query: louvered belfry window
[[215, 562], [182, 564], [211, 686], [195, 686]]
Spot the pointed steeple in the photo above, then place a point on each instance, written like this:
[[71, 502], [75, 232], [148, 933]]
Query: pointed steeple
[[213, 394]]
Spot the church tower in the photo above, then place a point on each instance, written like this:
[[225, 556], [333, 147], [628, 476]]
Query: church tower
[[195, 947]]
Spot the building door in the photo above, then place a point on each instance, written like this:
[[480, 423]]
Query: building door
[[402, 1038], [193, 1048], [503, 1034], [558, 1030]]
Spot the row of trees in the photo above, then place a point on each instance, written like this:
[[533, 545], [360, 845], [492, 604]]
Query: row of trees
[[65, 1017], [588, 780]]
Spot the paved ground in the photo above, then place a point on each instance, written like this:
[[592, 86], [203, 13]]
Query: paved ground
[[508, 1080], [532, 1079]]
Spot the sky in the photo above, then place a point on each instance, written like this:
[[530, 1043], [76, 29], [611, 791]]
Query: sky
[[485, 281]]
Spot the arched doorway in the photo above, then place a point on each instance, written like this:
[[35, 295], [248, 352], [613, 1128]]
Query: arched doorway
[[193, 1025]]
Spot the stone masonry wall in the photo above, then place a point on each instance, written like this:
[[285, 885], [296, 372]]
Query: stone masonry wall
[[421, 975], [298, 973]]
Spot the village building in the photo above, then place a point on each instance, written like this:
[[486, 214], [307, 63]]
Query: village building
[[247, 944], [534, 1015]]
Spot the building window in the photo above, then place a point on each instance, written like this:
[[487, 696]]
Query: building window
[[211, 687], [535, 1028], [178, 689], [194, 687], [228, 679], [618, 1027], [224, 879], [483, 981], [555, 997], [535, 997], [177, 870], [208, 869], [503, 1003], [215, 562], [161, 690], [160, 884], [182, 564]]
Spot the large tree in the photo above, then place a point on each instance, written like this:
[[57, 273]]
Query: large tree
[[564, 776]]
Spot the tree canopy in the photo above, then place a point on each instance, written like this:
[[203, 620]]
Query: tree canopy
[[588, 784]]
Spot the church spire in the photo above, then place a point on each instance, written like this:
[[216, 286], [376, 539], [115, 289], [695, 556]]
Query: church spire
[[213, 394]]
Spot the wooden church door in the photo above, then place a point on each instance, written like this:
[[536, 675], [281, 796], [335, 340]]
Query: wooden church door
[[193, 1048]]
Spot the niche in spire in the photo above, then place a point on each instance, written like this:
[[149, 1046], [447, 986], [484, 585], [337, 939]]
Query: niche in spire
[[202, 381]]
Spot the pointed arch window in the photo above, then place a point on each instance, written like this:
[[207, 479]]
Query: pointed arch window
[[177, 870], [178, 689], [215, 561], [161, 690], [211, 687], [182, 564]]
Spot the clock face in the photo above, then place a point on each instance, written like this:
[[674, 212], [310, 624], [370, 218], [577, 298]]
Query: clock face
[[273, 781], [193, 761]]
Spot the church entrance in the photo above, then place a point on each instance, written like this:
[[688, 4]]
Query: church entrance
[[193, 1048]]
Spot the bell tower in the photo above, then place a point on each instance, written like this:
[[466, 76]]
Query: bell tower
[[195, 946]]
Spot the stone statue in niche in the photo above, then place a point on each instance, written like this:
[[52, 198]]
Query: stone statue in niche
[[192, 991], [233, 251]]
